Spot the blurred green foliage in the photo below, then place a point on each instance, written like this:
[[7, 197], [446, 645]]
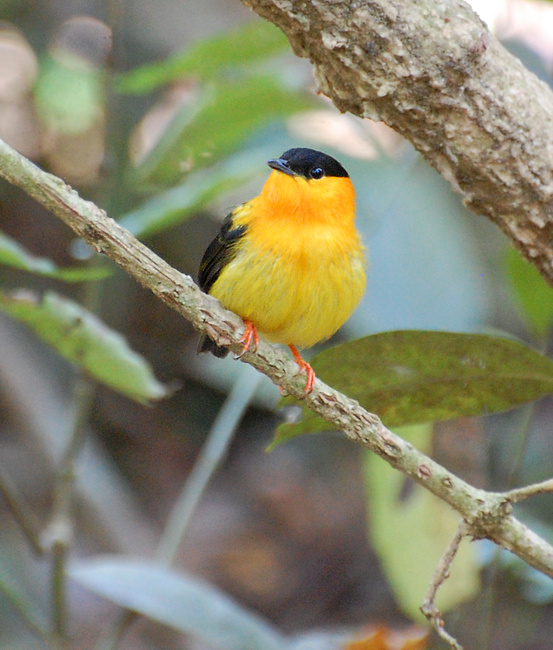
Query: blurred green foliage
[[239, 49], [170, 207], [69, 93], [533, 296], [237, 88], [12, 254], [216, 124], [80, 337]]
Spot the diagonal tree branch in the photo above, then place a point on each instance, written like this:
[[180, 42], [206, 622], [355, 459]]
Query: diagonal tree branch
[[434, 73], [486, 514]]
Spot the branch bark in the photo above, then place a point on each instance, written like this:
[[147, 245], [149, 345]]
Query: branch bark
[[486, 514], [434, 73]]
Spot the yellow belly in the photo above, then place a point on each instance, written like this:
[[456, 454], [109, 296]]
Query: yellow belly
[[299, 296]]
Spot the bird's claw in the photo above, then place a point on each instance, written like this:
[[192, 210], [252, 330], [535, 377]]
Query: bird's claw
[[250, 335], [304, 367]]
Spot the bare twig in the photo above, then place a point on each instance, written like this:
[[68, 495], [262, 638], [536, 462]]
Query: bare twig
[[25, 610], [58, 536], [22, 514], [428, 607], [520, 494]]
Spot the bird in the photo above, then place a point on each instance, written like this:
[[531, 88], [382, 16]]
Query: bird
[[289, 262]]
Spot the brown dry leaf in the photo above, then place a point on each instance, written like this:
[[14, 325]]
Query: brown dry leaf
[[377, 641], [18, 73], [385, 639], [416, 644], [155, 123], [18, 65]]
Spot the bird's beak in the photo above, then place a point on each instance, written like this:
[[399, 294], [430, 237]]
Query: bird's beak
[[281, 165]]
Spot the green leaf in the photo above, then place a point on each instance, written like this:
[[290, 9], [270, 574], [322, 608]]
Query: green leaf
[[180, 601], [534, 297], [69, 94], [82, 338], [177, 204], [410, 530], [243, 46], [412, 377], [224, 116], [14, 255]]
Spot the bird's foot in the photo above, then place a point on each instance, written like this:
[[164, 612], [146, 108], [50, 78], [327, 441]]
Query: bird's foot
[[250, 336], [304, 367]]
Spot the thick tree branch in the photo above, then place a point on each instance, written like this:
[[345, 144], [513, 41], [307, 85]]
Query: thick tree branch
[[485, 514], [434, 73]]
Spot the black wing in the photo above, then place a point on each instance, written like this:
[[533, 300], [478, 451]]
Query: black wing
[[217, 255]]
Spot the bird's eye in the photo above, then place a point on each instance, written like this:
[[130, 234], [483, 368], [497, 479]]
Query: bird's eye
[[316, 172]]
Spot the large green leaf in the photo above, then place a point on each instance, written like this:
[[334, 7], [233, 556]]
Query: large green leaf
[[223, 116], [238, 47], [180, 601], [534, 297], [412, 377], [410, 530], [82, 338], [14, 255]]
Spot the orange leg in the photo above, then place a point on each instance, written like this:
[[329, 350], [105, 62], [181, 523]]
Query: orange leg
[[250, 334], [304, 367]]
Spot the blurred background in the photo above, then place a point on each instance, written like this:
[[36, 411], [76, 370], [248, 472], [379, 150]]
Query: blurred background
[[164, 113]]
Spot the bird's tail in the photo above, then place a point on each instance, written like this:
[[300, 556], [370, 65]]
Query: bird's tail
[[205, 344]]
